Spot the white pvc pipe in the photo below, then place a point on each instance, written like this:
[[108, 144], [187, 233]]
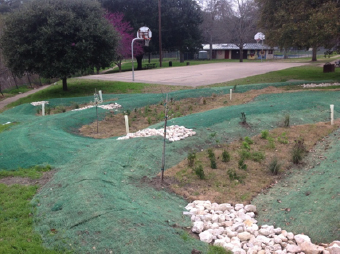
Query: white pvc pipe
[[231, 93], [332, 114], [127, 123], [43, 108], [100, 95]]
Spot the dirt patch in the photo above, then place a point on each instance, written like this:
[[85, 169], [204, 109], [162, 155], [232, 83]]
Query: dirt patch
[[46, 177], [114, 124], [229, 182]]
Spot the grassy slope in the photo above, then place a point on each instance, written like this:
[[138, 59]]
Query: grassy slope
[[16, 219], [306, 73]]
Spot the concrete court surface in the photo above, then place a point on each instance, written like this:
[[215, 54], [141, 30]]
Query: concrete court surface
[[197, 75]]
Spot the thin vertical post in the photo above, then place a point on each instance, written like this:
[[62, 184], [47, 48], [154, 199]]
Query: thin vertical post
[[165, 122], [160, 32]]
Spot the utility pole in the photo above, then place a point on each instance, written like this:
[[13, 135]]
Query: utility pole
[[160, 32]]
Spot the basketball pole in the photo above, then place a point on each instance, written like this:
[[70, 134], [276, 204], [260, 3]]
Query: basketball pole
[[160, 32]]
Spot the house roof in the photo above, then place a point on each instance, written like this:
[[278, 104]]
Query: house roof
[[228, 46]]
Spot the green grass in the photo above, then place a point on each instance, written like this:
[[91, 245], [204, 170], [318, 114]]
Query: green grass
[[33, 172], [16, 221], [6, 126], [127, 66], [14, 91], [307, 73], [80, 88]]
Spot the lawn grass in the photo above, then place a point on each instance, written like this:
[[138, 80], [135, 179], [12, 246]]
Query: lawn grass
[[33, 172], [81, 88], [4, 127], [304, 73], [16, 218]]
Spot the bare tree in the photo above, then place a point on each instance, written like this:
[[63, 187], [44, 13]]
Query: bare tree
[[243, 23], [215, 12]]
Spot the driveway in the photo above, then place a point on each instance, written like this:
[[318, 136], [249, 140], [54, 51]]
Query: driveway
[[197, 75]]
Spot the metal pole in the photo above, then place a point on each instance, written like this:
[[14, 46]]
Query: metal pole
[[165, 122], [160, 32], [133, 66], [262, 52]]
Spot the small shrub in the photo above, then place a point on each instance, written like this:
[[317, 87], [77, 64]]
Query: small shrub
[[191, 159], [245, 145], [213, 134], [249, 140], [199, 171], [264, 134], [286, 121], [243, 118], [234, 176], [257, 156], [177, 107], [241, 164], [60, 109], [74, 105], [298, 151], [271, 143], [210, 153], [274, 166], [244, 154], [213, 164], [38, 110], [283, 138], [48, 110], [204, 102], [225, 156], [128, 112], [234, 88], [190, 108]]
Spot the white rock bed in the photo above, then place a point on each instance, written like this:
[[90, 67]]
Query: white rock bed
[[107, 106], [235, 228], [38, 103], [320, 85], [173, 133]]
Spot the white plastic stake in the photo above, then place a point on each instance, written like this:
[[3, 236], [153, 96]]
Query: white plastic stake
[[332, 114], [43, 108], [127, 123], [100, 95], [231, 93]]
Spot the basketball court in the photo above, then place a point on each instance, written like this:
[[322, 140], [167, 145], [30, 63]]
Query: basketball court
[[197, 75]]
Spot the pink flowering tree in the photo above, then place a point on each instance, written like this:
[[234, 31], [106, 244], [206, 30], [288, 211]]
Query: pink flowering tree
[[126, 36]]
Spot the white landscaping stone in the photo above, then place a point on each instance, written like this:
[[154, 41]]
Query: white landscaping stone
[[244, 236], [198, 227], [250, 208], [206, 236], [238, 207], [293, 248], [235, 229]]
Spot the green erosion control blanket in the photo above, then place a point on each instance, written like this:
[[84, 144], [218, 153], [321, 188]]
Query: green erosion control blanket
[[308, 199], [97, 201]]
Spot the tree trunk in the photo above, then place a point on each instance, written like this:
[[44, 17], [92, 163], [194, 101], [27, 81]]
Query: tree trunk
[[139, 62], [65, 84], [315, 49], [241, 54], [29, 80], [210, 49], [285, 54], [1, 90], [181, 57], [149, 57], [119, 64], [15, 81]]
